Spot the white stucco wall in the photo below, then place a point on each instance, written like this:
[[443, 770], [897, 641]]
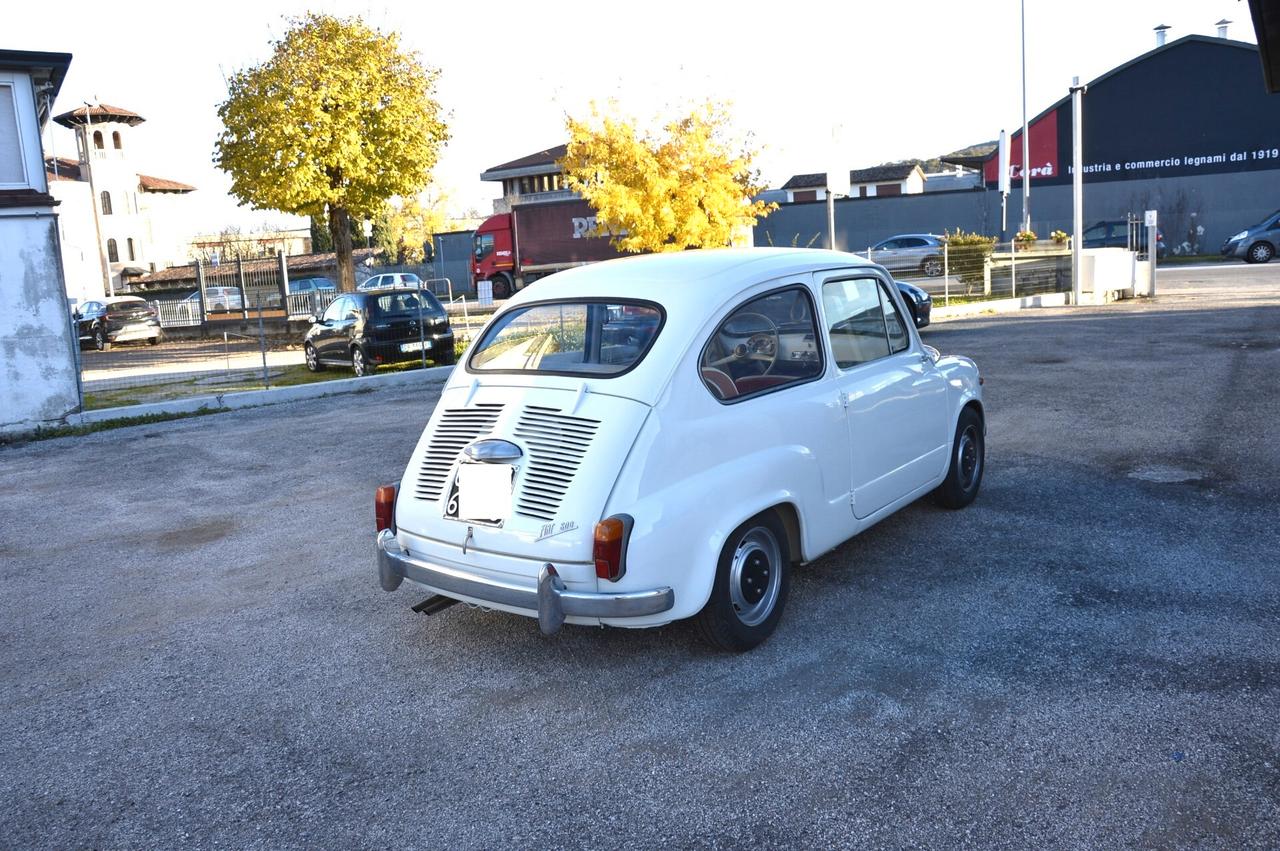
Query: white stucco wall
[[38, 379]]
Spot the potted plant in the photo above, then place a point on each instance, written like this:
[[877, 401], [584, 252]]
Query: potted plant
[[1060, 237], [1025, 238]]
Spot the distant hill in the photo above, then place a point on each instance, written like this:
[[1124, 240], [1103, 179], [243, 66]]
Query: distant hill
[[935, 164]]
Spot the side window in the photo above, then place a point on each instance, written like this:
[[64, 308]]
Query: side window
[[899, 339], [335, 310], [855, 321], [912, 242], [352, 310], [767, 343], [889, 245]]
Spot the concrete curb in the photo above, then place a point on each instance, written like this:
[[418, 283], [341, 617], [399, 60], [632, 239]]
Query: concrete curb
[[273, 396], [1000, 305]]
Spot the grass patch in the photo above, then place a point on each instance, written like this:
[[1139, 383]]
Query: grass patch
[[43, 433]]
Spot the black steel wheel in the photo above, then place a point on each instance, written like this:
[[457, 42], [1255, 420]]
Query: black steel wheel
[[750, 588], [968, 462]]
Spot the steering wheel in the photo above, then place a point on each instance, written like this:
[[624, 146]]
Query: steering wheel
[[760, 347]]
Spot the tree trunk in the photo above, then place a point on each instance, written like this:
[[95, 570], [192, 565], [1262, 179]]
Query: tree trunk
[[340, 232]]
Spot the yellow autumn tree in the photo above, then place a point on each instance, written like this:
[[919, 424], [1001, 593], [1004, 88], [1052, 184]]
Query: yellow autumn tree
[[684, 185], [337, 121]]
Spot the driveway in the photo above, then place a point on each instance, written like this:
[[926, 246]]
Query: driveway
[[196, 651]]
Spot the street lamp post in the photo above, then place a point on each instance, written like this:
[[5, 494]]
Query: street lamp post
[[1026, 136]]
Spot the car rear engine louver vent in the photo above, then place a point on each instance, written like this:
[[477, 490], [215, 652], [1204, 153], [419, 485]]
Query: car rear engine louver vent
[[457, 428], [557, 444]]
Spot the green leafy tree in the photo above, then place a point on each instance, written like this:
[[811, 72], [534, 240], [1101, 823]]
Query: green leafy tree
[[687, 185], [337, 121]]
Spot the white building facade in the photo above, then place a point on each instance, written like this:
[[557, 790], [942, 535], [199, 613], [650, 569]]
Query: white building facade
[[39, 378], [117, 221]]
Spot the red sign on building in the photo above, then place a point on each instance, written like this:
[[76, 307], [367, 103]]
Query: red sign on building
[[1044, 153]]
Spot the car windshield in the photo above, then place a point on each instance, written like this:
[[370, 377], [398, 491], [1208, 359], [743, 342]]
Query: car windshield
[[569, 338], [410, 302]]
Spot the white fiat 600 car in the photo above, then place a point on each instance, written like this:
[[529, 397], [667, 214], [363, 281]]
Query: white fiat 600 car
[[668, 436]]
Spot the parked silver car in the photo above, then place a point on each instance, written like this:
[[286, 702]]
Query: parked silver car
[[909, 252], [1255, 244]]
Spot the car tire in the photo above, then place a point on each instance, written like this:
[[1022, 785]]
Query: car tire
[[968, 462], [100, 341], [932, 266], [359, 363], [313, 360], [501, 289], [1260, 252], [153, 341], [750, 587]]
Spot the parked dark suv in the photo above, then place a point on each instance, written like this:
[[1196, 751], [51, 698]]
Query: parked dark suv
[[364, 330], [119, 319]]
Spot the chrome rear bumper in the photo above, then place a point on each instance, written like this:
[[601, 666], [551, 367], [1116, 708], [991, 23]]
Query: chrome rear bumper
[[550, 602]]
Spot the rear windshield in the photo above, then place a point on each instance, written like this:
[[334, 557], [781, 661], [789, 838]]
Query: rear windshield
[[569, 338], [125, 306], [410, 302]]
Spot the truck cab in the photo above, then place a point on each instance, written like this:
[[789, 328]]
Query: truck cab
[[494, 255]]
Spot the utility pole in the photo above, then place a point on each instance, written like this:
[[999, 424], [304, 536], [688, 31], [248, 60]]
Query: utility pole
[[1026, 135], [1077, 184]]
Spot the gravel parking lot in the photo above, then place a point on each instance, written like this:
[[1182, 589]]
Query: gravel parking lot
[[196, 651]]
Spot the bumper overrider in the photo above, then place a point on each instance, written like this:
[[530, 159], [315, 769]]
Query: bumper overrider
[[550, 602]]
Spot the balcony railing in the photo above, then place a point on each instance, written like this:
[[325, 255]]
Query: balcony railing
[[504, 205]]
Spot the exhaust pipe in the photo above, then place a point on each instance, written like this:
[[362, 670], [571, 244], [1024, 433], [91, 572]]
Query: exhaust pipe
[[434, 605]]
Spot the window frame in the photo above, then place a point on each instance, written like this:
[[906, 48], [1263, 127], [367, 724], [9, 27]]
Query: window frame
[[104, 201], [807, 290], [624, 301], [21, 99], [885, 293], [113, 251], [885, 288]]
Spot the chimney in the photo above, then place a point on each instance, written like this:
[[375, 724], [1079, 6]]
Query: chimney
[[1160, 35], [1222, 27]]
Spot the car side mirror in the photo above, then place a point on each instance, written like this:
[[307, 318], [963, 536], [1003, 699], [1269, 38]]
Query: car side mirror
[[313, 319]]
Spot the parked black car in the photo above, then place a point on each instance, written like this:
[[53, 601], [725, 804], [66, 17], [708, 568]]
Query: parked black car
[[364, 330], [919, 302], [119, 319]]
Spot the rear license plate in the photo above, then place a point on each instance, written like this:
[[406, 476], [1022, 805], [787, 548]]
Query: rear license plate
[[484, 491], [415, 347]]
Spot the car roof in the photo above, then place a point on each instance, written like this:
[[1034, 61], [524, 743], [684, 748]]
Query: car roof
[[116, 299], [901, 235], [691, 281], [691, 287]]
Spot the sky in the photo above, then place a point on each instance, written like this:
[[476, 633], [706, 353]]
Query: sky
[[900, 79]]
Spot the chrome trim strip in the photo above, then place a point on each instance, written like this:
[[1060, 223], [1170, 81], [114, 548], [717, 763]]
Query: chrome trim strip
[[550, 601]]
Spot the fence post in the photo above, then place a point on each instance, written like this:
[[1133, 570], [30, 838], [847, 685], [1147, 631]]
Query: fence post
[[244, 295], [986, 276], [262, 344], [946, 274], [204, 310], [1013, 269], [284, 283]]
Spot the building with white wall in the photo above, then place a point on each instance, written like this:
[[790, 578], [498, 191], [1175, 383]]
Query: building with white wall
[[117, 219], [39, 379], [877, 181]]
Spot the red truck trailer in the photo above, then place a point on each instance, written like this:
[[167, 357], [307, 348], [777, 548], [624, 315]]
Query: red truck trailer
[[512, 250]]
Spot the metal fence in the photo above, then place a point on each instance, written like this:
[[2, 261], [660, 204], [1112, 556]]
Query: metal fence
[[982, 270]]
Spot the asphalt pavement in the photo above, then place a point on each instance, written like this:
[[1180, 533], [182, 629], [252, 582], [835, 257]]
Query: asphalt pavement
[[196, 651]]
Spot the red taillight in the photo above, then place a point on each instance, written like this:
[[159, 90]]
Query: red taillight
[[610, 547], [384, 506]]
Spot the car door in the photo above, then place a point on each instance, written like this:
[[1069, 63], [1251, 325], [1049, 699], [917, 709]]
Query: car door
[[327, 335], [894, 397]]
